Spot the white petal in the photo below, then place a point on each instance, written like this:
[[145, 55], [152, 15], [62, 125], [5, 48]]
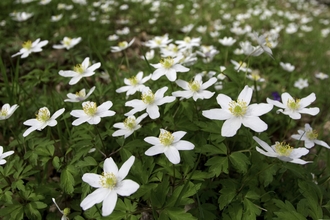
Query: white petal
[[94, 120], [109, 203], [183, 84], [152, 140], [127, 187], [223, 101], [310, 111], [109, 166], [322, 143], [276, 103], [298, 152], [259, 109], [92, 179], [172, 155], [217, 114], [230, 127], [268, 154], [255, 123], [124, 169], [95, 197], [246, 95], [307, 100], [80, 120], [285, 97], [184, 145], [153, 111], [154, 150], [178, 135], [104, 106], [264, 145]]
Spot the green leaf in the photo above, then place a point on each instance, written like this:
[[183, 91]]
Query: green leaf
[[287, 211], [251, 211], [88, 161], [209, 149], [67, 179], [239, 161], [178, 214], [218, 165], [228, 192]]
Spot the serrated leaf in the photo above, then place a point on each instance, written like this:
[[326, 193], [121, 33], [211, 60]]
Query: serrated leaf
[[67, 179], [228, 193], [218, 165], [178, 214], [239, 161], [251, 211]]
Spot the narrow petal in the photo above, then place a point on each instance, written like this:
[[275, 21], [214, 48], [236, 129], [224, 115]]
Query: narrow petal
[[178, 135], [75, 79], [217, 114], [307, 100], [110, 166], [79, 121], [171, 74], [172, 155], [152, 140], [310, 111], [154, 150], [209, 83], [259, 109], [106, 113], [58, 113], [92, 179], [223, 101], [263, 144], [322, 143], [266, 153], [166, 99], [95, 197], [255, 123], [184, 145], [104, 106], [180, 68], [183, 84], [230, 127], [29, 130], [276, 103], [246, 95], [153, 111], [127, 188], [157, 74], [109, 203], [124, 169]]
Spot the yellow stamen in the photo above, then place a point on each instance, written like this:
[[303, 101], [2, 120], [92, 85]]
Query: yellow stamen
[[43, 114], [187, 39], [122, 44], [238, 108], [130, 122], [81, 93], [108, 180], [148, 97], [283, 149], [90, 108], [268, 43], [133, 80], [79, 69], [293, 104], [4, 112], [67, 41], [167, 62], [312, 135], [27, 44], [166, 138], [194, 86]]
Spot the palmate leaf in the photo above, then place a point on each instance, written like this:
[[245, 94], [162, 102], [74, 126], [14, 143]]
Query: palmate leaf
[[67, 179], [228, 192], [218, 165], [287, 211], [240, 161], [175, 214]]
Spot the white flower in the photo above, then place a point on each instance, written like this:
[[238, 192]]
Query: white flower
[[79, 96], [91, 113], [188, 43], [134, 84], [130, 125], [29, 47], [195, 89], [80, 71], [113, 37], [21, 16], [122, 46], [282, 151], [239, 112], [55, 18], [65, 212], [43, 119], [187, 28], [123, 31], [67, 43], [169, 67], [255, 76], [108, 185], [6, 111], [287, 66], [4, 155], [150, 102], [158, 42], [241, 66], [149, 55], [264, 43], [250, 50], [301, 83], [295, 107], [169, 144], [227, 41], [208, 52], [321, 75], [309, 136]]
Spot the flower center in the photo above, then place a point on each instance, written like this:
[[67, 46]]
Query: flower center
[[268, 43], [67, 41], [81, 93], [194, 86], [238, 108], [187, 39], [27, 44], [133, 80], [148, 97], [90, 108], [79, 69], [312, 135], [43, 114], [158, 41], [130, 122], [108, 180], [4, 112], [122, 44], [242, 64], [166, 138], [66, 211], [167, 62], [255, 76], [293, 104], [283, 149]]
